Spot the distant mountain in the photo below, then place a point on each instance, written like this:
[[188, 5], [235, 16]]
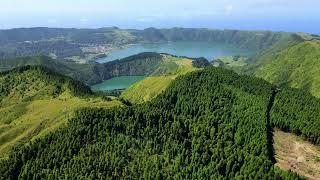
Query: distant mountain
[[59, 42], [254, 40], [38, 34], [211, 123], [87, 44]]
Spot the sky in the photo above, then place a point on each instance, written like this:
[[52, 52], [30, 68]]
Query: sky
[[278, 15]]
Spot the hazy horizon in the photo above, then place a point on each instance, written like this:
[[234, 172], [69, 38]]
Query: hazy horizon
[[274, 15]]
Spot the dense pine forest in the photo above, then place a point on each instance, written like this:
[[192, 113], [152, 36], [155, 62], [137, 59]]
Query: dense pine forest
[[297, 111], [211, 123]]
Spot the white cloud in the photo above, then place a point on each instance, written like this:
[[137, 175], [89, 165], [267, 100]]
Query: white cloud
[[84, 20], [228, 9]]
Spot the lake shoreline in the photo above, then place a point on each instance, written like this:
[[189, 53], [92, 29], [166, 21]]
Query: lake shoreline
[[208, 50], [116, 83]]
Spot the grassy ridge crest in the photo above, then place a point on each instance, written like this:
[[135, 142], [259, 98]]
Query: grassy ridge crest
[[35, 100]]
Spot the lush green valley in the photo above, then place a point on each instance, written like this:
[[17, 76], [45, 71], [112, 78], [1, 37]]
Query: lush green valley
[[160, 89], [210, 123], [185, 120], [282, 58]]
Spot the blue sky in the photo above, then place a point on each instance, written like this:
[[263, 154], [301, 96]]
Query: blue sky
[[286, 15]]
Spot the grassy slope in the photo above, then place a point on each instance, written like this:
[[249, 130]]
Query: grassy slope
[[28, 121], [297, 66], [29, 109], [152, 86], [147, 89]]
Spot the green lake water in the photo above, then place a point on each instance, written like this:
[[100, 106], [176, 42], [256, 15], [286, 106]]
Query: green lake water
[[121, 82], [209, 50]]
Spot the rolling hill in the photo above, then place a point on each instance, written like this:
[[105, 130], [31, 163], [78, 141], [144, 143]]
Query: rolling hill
[[35, 101], [187, 120], [211, 123], [30, 111], [291, 63], [169, 69], [81, 72], [296, 66]]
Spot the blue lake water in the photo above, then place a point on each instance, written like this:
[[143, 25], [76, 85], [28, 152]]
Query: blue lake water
[[208, 50]]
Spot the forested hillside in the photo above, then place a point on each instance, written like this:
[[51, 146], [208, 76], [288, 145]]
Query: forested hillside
[[35, 100], [298, 112], [211, 123]]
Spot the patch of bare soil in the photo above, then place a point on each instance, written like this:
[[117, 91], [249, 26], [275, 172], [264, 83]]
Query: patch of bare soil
[[297, 155]]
